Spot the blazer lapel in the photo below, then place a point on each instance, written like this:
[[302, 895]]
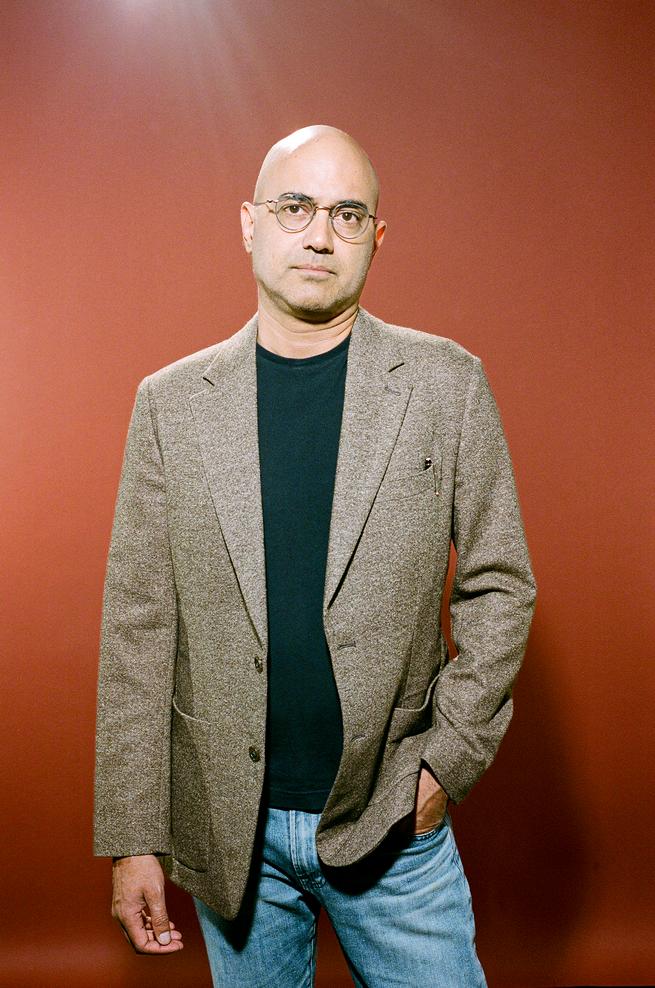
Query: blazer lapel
[[375, 401], [376, 397], [226, 419]]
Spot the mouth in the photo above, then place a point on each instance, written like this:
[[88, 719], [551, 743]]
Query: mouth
[[313, 269]]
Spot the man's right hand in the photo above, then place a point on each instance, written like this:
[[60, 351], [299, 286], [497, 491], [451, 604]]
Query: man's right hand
[[139, 906]]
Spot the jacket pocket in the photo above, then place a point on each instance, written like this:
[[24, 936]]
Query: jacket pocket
[[408, 484], [190, 788], [407, 721]]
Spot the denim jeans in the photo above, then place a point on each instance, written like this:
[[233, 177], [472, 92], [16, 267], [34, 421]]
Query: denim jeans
[[402, 916]]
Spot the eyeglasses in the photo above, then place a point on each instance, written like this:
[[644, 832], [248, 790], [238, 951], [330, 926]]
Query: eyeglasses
[[295, 212]]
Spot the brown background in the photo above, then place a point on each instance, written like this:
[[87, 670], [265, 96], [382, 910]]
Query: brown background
[[514, 143]]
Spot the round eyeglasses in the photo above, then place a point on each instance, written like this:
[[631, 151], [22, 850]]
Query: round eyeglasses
[[295, 212]]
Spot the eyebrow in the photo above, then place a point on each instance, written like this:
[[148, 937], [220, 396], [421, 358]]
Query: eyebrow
[[341, 202]]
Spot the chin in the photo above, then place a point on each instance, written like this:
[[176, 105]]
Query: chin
[[319, 306], [317, 313], [313, 306]]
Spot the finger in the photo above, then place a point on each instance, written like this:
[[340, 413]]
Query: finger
[[175, 934], [141, 937], [153, 947], [159, 917], [148, 921], [134, 929], [136, 941]]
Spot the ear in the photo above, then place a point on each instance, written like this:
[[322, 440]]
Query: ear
[[247, 224], [380, 228]]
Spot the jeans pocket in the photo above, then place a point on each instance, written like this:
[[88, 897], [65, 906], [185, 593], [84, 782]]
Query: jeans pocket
[[402, 842], [428, 835]]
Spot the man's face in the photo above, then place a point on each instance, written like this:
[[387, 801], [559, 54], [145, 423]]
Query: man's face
[[312, 274]]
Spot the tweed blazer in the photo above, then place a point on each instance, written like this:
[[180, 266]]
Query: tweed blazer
[[422, 460]]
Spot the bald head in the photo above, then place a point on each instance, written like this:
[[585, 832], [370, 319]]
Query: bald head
[[312, 276], [328, 146]]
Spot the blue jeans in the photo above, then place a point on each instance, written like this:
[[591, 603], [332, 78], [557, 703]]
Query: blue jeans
[[402, 916]]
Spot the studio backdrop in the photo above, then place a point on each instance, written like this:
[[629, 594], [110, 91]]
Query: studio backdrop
[[514, 145]]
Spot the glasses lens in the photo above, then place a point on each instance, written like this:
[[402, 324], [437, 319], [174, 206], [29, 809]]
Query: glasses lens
[[294, 212], [349, 220]]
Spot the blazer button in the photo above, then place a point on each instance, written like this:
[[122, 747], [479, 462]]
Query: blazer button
[[259, 665], [254, 753]]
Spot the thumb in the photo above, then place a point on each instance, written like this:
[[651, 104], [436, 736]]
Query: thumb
[[159, 918]]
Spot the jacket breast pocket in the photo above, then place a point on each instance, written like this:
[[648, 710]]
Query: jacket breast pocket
[[397, 486], [190, 799]]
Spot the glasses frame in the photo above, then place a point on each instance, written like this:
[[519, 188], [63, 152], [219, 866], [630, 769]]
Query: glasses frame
[[330, 209]]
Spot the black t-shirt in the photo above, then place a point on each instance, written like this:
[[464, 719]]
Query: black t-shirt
[[300, 403]]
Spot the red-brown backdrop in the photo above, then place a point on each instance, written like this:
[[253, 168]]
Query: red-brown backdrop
[[514, 143]]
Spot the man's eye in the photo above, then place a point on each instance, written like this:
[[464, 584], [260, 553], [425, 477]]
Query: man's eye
[[351, 217], [292, 207]]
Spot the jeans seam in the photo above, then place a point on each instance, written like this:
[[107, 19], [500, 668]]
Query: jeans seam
[[305, 878], [313, 943]]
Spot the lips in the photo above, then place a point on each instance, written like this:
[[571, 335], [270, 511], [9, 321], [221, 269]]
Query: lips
[[313, 268]]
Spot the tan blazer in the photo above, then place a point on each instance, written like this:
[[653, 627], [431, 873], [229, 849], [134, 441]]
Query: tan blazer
[[182, 689]]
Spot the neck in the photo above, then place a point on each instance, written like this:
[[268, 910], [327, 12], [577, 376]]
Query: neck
[[294, 338]]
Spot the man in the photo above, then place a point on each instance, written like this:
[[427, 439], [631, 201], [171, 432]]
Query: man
[[278, 720]]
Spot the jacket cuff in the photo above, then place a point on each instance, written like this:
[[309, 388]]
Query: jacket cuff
[[456, 765]]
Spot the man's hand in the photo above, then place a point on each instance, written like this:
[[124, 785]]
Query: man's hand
[[138, 905], [429, 806]]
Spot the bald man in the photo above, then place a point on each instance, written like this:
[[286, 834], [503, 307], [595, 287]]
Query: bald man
[[280, 726]]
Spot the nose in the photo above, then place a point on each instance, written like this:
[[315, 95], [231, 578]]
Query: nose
[[319, 235]]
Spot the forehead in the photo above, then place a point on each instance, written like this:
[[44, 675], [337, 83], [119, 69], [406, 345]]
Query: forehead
[[328, 172]]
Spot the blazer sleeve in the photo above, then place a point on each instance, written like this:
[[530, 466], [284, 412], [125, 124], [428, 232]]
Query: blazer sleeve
[[491, 604], [137, 656]]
